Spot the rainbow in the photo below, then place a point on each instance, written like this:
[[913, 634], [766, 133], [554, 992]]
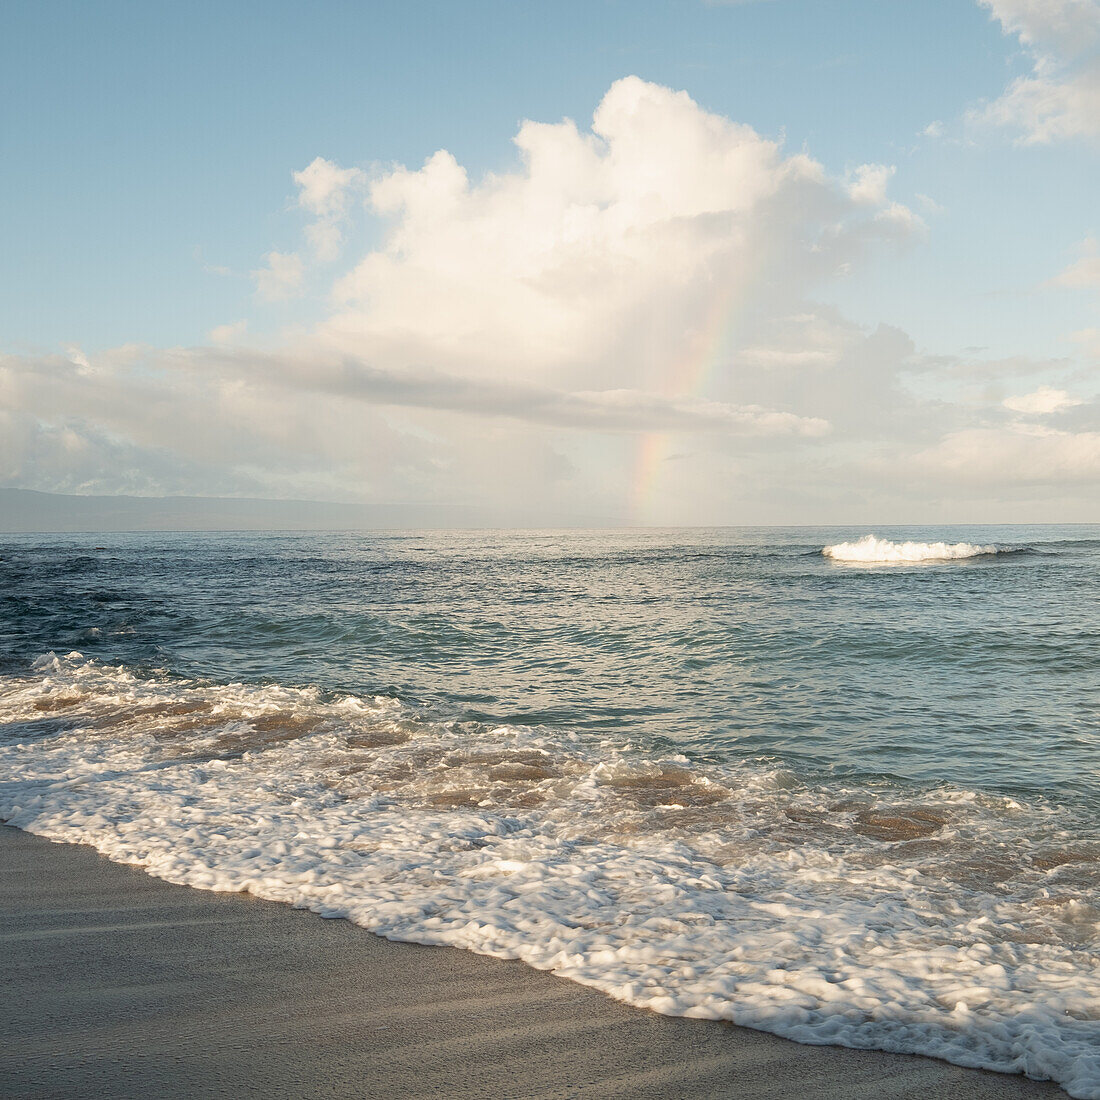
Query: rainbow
[[688, 375]]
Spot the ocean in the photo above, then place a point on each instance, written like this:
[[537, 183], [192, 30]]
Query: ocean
[[840, 788]]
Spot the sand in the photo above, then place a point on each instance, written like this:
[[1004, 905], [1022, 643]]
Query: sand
[[120, 985]]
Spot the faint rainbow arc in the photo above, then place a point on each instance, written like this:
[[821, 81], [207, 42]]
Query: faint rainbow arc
[[688, 376]]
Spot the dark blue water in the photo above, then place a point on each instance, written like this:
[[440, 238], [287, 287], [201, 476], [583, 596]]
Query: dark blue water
[[727, 643]]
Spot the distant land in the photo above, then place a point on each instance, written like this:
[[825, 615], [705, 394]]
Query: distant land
[[29, 511], [24, 510]]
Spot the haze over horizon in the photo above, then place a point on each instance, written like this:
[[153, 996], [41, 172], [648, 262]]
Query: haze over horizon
[[651, 263]]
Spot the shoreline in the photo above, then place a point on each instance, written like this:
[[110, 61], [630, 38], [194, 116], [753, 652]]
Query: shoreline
[[123, 985]]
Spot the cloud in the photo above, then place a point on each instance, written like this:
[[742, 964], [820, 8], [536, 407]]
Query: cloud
[[1084, 273], [619, 410], [157, 422], [325, 190], [281, 276], [869, 184], [613, 285], [529, 342], [929, 204], [1042, 402], [1060, 97], [1088, 339], [228, 333], [1017, 456], [608, 252], [235, 421]]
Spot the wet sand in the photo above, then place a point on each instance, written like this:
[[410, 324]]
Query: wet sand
[[119, 985]]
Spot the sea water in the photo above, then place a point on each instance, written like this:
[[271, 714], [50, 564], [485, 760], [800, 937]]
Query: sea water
[[839, 786]]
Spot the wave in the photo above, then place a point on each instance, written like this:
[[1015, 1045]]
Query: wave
[[873, 550], [943, 922]]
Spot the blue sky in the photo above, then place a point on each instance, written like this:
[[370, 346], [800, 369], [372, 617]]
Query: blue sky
[[148, 152]]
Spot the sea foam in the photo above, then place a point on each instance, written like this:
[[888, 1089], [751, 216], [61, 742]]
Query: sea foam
[[873, 550], [943, 922]]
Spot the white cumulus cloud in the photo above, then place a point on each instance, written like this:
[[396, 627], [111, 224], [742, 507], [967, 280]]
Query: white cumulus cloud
[[1060, 97], [611, 253], [869, 183], [1019, 456], [1042, 402], [228, 333], [281, 276], [325, 190], [1083, 273]]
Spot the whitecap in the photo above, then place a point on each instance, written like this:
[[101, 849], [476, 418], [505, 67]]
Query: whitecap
[[872, 550], [946, 922]]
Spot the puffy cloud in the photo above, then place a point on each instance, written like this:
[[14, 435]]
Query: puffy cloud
[[608, 253], [621, 327], [1060, 98], [237, 421], [325, 190], [1015, 456], [1089, 341], [929, 204], [228, 333], [1084, 273], [1042, 402], [281, 276], [152, 422], [869, 183], [1070, 26]]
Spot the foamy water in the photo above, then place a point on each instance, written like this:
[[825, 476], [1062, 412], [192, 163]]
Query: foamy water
[[955, 924], [715, 774], [872, 550]]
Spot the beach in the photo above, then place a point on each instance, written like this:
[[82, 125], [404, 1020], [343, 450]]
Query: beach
[[550, 550], [121, 985]]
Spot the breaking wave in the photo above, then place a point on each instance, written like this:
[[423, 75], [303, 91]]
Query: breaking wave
[[872, 550], [937, 921]]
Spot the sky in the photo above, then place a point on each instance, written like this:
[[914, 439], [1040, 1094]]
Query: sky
[[585, 263]]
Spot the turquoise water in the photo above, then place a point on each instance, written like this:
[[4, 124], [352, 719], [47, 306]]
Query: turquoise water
[[727, 643], [714, 773]]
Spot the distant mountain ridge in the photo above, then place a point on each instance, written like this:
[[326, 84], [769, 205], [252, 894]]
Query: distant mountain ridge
[[24, 510], [29, 511]]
